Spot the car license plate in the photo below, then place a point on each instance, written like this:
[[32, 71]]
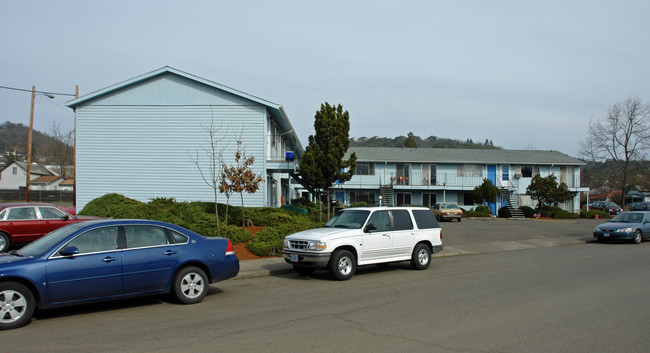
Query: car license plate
[[605, 235], [293, 258]]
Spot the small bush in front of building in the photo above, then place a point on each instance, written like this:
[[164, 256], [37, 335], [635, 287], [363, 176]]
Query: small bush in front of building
[[529, 212], [482, 209], [503, 212], [268, 241], [593, 213]]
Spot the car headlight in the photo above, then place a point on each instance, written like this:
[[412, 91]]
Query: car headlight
[[595, 230], [624, 230], [317, 245], [285, 244]]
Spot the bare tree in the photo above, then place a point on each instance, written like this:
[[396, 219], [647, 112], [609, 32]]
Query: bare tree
[[621, 136], [213, 152], [60, 150]]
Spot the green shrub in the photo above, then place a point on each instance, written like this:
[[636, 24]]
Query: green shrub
[[237, 234], [503, 212], [593, 213], [268, 241], [482, 209], [565, 215], [528, 211], [476, 214], [550, 211], [115, 206], [359, 204]]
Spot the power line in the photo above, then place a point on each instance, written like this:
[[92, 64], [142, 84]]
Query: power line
[[40, 92]]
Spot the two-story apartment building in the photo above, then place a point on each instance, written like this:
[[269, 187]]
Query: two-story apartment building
[[158, 134], [425, 176]]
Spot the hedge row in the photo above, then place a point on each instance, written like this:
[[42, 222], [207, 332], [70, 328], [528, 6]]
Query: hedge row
[[200, 217]]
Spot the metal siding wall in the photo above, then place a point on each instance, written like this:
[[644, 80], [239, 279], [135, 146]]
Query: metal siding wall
[[145, 152], [170, 89]]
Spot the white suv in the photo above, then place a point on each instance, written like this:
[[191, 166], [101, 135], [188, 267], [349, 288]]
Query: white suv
[[364, 236]]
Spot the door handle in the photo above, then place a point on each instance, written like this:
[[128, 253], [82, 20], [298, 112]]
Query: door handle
[[109, 259], [386, 235], [170, 252]]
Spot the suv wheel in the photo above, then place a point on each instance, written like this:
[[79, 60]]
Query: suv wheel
[[421, 258], [342, 265]]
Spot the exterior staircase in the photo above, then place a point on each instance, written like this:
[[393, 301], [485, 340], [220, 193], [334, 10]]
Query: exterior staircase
[[511, 203], [386, 193]]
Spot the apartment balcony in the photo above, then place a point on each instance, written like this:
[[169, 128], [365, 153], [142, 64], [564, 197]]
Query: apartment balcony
[[447, 181]]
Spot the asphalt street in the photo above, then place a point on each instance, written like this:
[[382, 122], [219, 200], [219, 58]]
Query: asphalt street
[[474, 236], [586, 297]]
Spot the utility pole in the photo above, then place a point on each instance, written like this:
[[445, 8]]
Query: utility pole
[[74, 152], [29, 145]]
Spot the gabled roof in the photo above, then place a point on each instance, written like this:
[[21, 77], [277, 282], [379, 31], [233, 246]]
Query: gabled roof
[[276, 110], [464, 156], [36, 168], [46, 179], [67, 182]]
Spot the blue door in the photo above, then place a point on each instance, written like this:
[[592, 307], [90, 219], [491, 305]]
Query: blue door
[[492, 176], [149, 260], [95, 272]]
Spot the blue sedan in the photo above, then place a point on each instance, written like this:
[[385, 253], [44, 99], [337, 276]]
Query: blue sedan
[[634, 226], [110, 259]]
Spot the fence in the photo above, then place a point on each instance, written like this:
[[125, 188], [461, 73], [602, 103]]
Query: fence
[[37, 195]]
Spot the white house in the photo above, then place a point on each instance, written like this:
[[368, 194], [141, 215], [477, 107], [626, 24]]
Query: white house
[[147, 137], [14, 176]]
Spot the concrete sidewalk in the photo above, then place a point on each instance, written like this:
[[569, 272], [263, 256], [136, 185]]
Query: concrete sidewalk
[[471, 237]]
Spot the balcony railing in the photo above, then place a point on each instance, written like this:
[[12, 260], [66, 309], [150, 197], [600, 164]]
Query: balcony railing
[[448, 180]]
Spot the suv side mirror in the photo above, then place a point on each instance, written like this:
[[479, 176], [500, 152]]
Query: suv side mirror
[[369, 228]]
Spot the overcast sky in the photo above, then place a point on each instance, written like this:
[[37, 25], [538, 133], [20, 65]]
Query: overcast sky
[[525, 74]]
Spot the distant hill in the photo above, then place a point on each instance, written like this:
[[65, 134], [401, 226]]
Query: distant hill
[[13, 139], [429, 142]]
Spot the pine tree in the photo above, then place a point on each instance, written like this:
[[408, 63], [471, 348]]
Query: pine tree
[[322, 163]]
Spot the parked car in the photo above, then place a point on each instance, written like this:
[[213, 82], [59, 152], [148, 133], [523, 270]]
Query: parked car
[[640, 206], [363, 236], [23, 222], [447, 211], [606, 206], [634, 226], [110, 259]]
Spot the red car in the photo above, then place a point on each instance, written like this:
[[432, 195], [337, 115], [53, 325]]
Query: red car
[[23, 222]]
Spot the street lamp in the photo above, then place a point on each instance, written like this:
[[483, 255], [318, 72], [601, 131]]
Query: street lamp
[[29, 141]]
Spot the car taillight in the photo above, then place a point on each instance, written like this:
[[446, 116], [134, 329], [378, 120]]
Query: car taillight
[[230, 250], [441, 234]]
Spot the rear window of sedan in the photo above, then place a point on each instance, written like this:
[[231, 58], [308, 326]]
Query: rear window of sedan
[[425, 219]]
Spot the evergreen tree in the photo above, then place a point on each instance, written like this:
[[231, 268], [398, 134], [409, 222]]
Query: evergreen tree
[[322, 163], [486, 193], [546, 190], [410, 141]]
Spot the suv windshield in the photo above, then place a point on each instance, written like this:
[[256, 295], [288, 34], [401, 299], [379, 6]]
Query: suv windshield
[[351, 219]]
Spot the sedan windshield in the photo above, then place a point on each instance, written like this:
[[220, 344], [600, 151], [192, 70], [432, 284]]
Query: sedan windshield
[[45, 243], [628, 217], [449, 205], [352, 219]]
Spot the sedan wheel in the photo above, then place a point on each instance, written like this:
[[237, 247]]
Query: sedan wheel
[[190, 285], [4, 242], [638, 237], [16, 305]]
